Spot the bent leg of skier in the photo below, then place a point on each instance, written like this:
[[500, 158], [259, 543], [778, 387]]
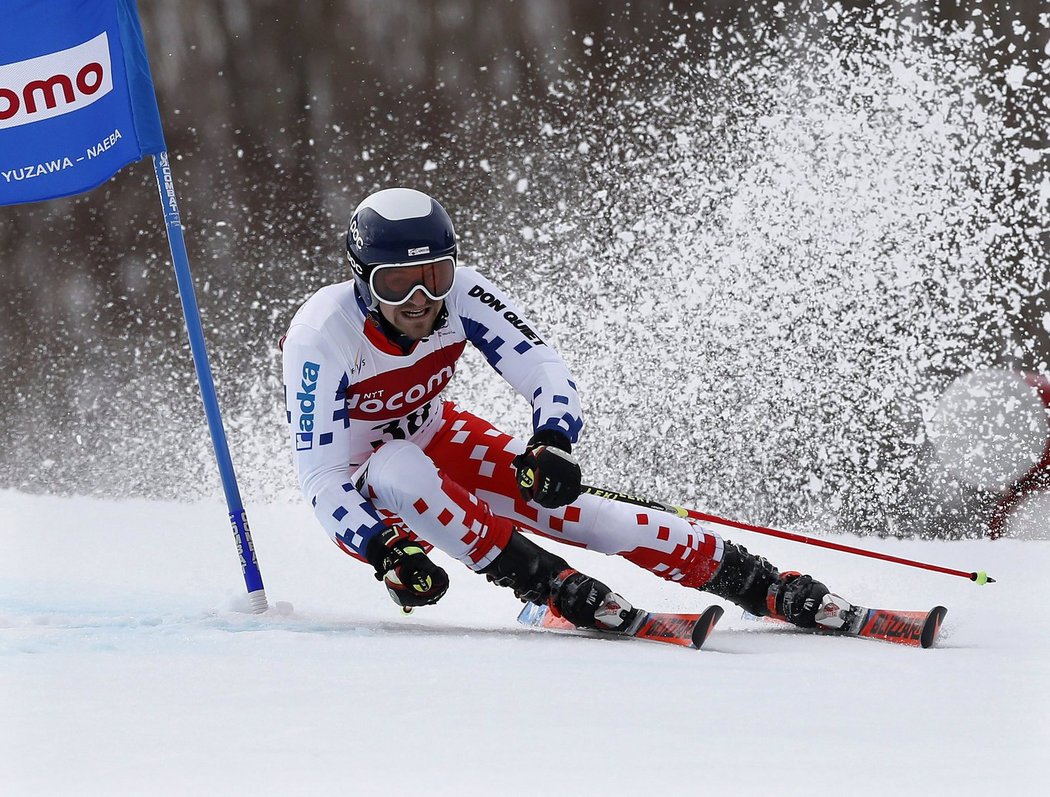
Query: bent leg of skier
[[407, 488], [478, 456]]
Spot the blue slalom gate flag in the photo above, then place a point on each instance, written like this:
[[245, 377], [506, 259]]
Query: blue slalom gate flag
[[77, 104], [76, 98]]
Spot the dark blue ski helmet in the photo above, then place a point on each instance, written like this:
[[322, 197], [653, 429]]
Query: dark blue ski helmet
[[396, 225]]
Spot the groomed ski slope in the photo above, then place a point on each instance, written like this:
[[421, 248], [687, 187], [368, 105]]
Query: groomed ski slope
[[125, 668]]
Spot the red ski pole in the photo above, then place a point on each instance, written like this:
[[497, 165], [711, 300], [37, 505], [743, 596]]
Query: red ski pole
[[979, 577]]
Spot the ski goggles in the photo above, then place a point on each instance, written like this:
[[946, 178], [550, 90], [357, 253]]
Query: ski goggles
[[394, 283]]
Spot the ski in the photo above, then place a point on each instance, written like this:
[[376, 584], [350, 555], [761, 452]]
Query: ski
[[686, 630], [916, 629]]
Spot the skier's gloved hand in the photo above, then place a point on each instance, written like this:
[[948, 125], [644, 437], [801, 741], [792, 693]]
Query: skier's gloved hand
[[402, 564], [547, 472]]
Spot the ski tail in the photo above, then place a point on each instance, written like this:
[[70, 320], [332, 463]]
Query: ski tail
[[931, 627], [686, 630], [918, 629], [705, 624]]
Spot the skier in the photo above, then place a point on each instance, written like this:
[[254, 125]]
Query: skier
[[392, 469]]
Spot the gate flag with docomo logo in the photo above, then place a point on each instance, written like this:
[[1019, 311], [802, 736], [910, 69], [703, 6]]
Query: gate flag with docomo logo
[[77, 102]]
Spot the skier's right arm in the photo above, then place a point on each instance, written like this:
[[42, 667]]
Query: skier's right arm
[[315, 387]]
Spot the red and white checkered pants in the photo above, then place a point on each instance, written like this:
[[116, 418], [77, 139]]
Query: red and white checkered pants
[[460, 494]]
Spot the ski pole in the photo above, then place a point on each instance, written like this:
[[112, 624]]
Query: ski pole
[[979, 577]]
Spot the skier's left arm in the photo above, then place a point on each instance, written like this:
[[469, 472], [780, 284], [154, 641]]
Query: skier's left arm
[[547, 473], [496, 326]]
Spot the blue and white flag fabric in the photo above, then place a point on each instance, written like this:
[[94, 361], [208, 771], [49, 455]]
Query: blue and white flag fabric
[[77, 102]]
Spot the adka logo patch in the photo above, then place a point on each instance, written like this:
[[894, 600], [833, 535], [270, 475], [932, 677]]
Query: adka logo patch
[[307, 398], [55, 84]]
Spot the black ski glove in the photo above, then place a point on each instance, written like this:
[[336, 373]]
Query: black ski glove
[[402, 564], [547, 472]]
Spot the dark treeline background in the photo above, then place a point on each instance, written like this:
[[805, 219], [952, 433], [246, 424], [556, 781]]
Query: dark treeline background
[[280, 117]]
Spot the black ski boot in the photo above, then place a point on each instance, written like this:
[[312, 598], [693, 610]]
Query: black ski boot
[[526, 568], [538, 576], [799, 599], [757, 587], [588, 603], [744, 579]]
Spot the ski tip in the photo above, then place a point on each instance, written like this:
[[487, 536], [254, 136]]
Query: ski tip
[[931, 626], [705, 624]]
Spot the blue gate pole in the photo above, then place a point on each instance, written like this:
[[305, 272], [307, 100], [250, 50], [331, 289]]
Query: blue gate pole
[[238, 517]]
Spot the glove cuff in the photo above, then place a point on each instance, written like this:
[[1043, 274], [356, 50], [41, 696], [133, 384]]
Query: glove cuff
[[378, 549], [552, 438]]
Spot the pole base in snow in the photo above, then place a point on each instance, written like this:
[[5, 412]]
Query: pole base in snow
[[257, 601]]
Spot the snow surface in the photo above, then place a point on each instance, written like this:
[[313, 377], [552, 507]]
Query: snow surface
[[126, 669]]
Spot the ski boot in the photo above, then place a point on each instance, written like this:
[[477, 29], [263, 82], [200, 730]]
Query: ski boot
[[756, 586], [807, 603], [588, 603], [797, 599], [538, 576], [744, 579]]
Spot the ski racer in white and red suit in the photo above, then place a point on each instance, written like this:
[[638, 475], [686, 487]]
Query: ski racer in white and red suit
[[392, 469]]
